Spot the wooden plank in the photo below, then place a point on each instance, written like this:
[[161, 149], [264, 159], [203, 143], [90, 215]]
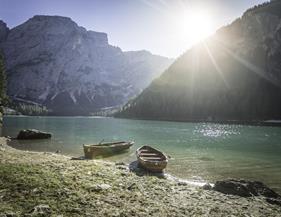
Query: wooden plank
[[152, 158]]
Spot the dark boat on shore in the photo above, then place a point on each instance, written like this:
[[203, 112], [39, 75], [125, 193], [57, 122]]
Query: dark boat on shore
[[151, 159], [105, 149]]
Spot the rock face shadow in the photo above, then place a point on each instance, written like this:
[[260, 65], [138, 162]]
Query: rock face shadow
[[136, 168]]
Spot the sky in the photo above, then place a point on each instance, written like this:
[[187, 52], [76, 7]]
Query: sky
[[164, 27]]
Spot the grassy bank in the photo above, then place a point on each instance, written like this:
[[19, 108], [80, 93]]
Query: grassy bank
[[45, 184]]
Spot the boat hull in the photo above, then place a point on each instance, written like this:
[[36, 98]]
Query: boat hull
[[107, 149], [151, 159]]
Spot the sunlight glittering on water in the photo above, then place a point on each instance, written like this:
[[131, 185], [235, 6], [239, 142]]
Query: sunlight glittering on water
[[216, 130]]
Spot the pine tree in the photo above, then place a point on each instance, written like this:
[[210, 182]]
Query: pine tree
[[3, 96]]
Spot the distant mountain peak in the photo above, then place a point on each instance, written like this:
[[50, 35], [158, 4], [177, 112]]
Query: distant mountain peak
[[52, 61], [4, 30]]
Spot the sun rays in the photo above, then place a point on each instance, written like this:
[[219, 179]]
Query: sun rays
[[190, 24]]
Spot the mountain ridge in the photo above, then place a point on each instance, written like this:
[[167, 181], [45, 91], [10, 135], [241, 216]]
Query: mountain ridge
[[233, 75], [52, 61]]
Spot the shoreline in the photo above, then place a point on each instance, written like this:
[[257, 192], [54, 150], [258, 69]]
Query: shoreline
[[261, 123], [265, 123], [165, 175], [38, 182]]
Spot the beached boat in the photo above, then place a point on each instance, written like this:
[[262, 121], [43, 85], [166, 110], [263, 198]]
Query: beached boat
[[151, 159], [105, 149]]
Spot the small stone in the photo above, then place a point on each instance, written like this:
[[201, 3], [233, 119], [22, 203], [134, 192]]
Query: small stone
[[274, 201], [100, 187], [76, 210], [207, 186], [42, 210], [9, 214], [122, 167], [124, 174], [35, 190], [181, 183], [132, 186], [120, 164]]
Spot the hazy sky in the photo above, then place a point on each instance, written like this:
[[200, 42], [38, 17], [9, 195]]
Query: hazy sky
[[161, 26]]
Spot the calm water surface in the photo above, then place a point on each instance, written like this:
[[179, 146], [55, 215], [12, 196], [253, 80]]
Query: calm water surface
[[199, 151]]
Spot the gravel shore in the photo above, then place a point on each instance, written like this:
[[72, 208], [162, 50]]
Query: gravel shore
[[47, 184]]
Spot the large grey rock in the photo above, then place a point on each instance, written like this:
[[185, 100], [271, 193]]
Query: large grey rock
[[244, 188], [52, 61], [33, 134]]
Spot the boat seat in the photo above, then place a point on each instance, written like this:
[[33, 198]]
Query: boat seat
[[152, 158], [145, 151], [149, 154]]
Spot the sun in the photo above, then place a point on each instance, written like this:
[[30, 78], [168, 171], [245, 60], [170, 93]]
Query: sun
[[194, 25]]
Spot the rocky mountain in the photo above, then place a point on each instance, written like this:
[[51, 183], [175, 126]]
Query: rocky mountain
[[233, 75], [51, 61]]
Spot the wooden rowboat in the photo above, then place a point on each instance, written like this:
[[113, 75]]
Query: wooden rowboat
[[105, 149], [151, 159]]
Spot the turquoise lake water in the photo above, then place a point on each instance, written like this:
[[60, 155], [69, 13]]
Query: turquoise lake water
[[199, 151]]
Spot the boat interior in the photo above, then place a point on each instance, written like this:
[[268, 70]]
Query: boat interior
[[151, 155], [107, 144]]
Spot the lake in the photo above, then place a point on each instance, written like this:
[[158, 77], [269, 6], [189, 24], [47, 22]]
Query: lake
[[199, 151]]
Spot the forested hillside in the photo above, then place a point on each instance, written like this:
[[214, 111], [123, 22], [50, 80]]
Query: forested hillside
[[233, 75], [3, 97]]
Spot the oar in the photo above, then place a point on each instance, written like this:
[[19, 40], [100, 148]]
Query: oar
[[101, 141]]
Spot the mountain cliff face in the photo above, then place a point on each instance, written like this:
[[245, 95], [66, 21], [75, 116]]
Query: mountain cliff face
[[233, 75], [52, 61]]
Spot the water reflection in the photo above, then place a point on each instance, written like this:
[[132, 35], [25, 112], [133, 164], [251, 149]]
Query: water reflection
[[216, 130]]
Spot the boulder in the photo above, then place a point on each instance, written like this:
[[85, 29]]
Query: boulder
[[245, 188], [33, 134]]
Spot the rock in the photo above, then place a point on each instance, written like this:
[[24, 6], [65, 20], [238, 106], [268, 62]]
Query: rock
[[274, 201], [120, 164], [41, 210], [8, 137], [244, 188], [207, 186], [122, 167], [100, 187], [132, 186], [9, 214], [33, 134], [182, 183]]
